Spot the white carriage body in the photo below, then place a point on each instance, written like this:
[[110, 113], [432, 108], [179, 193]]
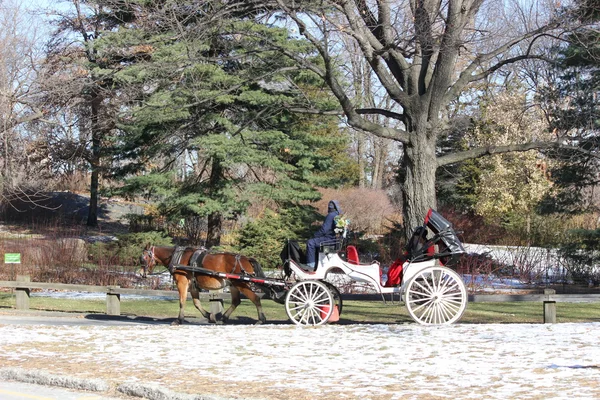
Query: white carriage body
[[368, 273]]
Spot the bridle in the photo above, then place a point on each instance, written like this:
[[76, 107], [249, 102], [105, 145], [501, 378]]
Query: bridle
[[148, 260]]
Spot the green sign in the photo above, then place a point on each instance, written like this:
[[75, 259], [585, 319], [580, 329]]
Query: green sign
[[12, 258]]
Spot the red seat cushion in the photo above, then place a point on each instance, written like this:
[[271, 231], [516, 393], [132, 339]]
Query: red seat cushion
[[352, 255], [394, 275]]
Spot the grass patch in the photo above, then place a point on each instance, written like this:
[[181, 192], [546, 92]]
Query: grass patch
[[354, 311], [529, 312]]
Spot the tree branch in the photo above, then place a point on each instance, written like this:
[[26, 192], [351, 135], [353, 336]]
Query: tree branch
[[386, 113], [316, 112], [466, 76], [489, 150], [370, 42], [27, 118], [329, 76]]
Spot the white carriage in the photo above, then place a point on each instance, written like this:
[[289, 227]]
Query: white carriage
[[432, 292]]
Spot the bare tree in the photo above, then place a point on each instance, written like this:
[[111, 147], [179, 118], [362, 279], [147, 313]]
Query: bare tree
[[75, 80], [372, 153], [18, 103], [424, 54]]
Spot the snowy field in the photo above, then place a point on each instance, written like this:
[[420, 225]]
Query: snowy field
[[395, 361], [406, 361]]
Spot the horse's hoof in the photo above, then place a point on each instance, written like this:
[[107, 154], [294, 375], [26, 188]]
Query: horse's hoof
[[259, 322], [219, 322], [177, 322]]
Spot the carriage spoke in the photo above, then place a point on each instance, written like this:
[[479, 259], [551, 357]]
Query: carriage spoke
[[444, 283], [429, 282], [423, 288], [446, 312], [437, 314], [428, 313], [304, 317], [299, 296], [317, 315], [421, 304], [449, 285], [297, 308]]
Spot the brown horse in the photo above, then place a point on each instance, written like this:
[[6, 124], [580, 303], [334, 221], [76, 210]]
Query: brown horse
[[218, 262]]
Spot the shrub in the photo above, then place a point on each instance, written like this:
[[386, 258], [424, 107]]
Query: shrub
[[264, 237], [479, 270], [127, 249], [580, 255]]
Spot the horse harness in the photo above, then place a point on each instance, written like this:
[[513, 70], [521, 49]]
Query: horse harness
[[175, 258], [243, 271], [196, 261], [196, 258]]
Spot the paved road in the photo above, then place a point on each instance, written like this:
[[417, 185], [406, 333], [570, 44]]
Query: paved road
[[41, 320], [10, 390], [9, 317]]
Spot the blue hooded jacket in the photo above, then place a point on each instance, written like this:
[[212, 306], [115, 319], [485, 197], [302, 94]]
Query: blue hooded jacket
[[327, 230]]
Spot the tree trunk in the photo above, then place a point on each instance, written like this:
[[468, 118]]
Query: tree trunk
[[380, 153], [92, 219], [418, 194], [360, 154], [215, 219], [7, 167], [215, 226]]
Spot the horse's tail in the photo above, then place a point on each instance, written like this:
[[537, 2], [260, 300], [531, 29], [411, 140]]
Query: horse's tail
[[258, 272]]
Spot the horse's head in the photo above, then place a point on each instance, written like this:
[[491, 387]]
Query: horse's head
[[147, 261]]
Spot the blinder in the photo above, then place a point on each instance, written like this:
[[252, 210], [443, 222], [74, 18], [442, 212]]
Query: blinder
[[147, 260]]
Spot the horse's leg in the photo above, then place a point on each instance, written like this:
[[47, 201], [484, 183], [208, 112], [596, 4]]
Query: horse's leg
[[247, 291], [196, 299], [182, 287], [235, 301]]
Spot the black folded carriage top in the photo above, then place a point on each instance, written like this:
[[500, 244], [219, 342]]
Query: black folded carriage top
[[449, 247]]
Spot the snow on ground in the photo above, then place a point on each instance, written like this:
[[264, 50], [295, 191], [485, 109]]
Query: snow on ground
[[397, 361]]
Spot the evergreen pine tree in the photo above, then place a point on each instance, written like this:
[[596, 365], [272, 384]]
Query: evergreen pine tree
[[208, 129], [574, 108]]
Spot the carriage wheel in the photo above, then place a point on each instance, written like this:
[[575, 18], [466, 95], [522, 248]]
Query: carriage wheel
[[337, 297], [436, 295], [309, 303]]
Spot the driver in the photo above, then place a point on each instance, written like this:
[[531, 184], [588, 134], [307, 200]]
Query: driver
[[325, 233]]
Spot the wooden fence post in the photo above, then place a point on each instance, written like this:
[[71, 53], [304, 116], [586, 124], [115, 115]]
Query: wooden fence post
[[549, 308], [22, 294], [113, 301], [215, 300]]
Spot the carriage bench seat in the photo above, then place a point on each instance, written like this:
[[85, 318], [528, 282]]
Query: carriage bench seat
[[352, 257]]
